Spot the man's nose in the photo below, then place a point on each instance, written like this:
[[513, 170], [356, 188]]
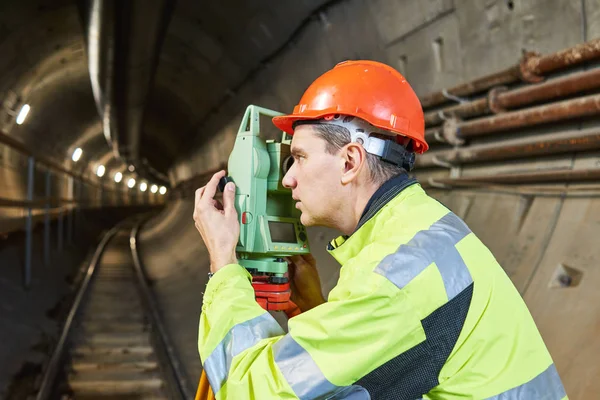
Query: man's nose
[[288, 180]]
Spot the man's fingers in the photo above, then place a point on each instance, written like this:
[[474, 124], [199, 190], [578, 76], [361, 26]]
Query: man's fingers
[[211, 187], [298, 261], [198, 194], [217, 204], [229, 199], [304, 260], [309, 258]]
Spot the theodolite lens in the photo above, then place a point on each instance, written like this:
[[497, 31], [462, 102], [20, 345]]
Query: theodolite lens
[[287, 164]]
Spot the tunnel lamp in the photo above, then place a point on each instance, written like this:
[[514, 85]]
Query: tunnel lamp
[[131, 183], [100, 171], [163, 190], [23, 114], [143, 186], [77, 154], [118, 177], [154, 188]]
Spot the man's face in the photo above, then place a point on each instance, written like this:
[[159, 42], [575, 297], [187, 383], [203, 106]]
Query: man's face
[[314, 178]]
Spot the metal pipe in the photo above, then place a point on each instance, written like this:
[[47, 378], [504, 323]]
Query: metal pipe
[[472, 108], [29, 223], [123, 40], [20, 147], [504, 77], [541, 65], [47, 219], [556, 88], [434, 135], [529, 69], [553, 89], [558, 111], [53, 202], [59, 228], [70, 212], [78, 205], [554, 143], [552, 176]]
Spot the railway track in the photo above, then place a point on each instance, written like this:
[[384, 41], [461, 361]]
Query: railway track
[[113, 344]]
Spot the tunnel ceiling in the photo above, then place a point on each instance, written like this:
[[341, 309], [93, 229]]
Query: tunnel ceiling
[[209, 50]]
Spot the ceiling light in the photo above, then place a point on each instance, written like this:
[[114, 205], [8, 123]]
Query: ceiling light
[[163, 190], [100, 171], [77, 154], [131, 168], [131, 182], [143, 186], [23, 114], [154, 188], [118, 177]]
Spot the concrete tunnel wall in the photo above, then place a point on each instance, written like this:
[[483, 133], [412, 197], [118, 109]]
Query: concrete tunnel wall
[[533, 237]]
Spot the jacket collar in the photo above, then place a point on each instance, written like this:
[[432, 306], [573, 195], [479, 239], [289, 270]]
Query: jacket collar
[[382, 196]]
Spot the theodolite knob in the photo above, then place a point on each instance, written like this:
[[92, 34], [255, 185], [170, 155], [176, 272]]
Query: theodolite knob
[[223, 181]]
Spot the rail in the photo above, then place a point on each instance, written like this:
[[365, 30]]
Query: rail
[[171, 364], [54, 365], [179, 381]]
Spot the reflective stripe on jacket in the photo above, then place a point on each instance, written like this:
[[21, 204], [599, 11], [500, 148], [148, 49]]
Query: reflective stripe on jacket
[[421, 310]]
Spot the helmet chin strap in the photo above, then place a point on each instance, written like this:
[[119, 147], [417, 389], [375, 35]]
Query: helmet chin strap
[[360, 132]]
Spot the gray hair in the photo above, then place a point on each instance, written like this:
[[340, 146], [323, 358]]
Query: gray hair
[[336, 137]]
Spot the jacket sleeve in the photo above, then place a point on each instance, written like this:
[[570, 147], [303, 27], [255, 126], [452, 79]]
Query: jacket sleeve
[[366, 322]]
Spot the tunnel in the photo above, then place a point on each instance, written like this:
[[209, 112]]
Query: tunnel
[[113, 113]]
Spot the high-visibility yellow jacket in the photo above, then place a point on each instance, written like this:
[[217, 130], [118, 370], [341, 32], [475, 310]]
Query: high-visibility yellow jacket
[[422, 310]]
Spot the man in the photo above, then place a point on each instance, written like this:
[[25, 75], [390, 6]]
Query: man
[[421, 309]]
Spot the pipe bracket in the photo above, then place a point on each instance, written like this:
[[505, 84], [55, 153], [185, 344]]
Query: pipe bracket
[[526, 71], [441, 163], [450, 131], [433, 183], [452, 97], [493, 99]]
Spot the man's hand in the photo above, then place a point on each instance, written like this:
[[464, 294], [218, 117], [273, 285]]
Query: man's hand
[[217, 223], [305, 282]]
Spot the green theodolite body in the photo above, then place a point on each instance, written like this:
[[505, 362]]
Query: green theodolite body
[[270, 227]]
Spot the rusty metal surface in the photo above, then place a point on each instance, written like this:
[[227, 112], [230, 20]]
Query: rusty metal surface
[[560, 176], [575, 55], [564, 86], [507, 99], [504, 77], [472, 108], [433, 135], [530, 66], [558, 111], [555, 143]]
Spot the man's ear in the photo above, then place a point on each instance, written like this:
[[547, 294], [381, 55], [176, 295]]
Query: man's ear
[[354, 158]]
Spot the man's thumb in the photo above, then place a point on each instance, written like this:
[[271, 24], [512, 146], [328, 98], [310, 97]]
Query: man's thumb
[[229, 198]]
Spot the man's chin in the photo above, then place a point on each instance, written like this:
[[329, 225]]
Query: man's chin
[[305, 220]]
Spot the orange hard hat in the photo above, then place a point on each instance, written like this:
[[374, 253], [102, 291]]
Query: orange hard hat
[[369, 90]]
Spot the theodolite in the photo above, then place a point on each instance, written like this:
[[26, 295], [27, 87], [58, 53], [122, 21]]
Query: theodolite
[[270, 227]]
